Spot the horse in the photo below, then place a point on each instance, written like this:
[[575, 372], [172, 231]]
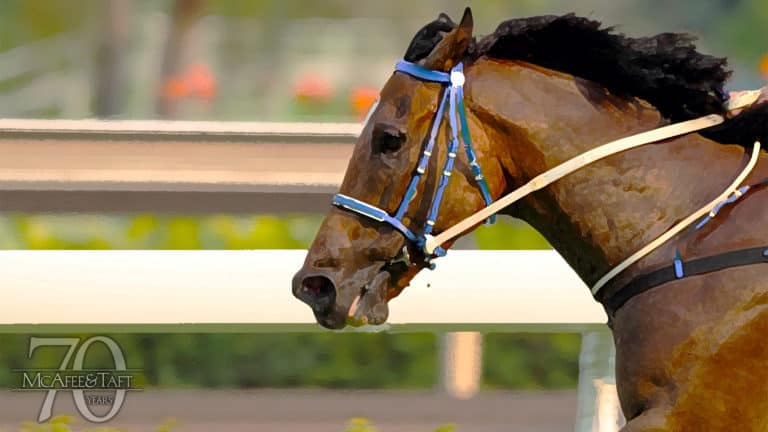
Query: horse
[[689, 315]]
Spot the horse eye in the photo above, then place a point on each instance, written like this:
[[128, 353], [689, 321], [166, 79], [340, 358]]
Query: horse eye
[[387, 140]]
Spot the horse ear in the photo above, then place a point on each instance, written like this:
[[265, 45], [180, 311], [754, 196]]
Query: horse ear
[[451, 49]]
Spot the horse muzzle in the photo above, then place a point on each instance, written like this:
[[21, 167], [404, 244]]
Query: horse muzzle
[[335, 307]]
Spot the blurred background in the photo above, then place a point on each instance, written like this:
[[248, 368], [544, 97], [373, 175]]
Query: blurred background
[[279, 60], [267, 60], [286, 61]]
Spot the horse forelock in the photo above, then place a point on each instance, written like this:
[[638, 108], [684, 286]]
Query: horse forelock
[[426, 39]]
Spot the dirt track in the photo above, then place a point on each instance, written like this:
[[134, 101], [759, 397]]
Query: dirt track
[[317, 410]]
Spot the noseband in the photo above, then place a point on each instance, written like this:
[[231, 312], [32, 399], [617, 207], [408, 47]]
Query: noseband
[[453, 97]]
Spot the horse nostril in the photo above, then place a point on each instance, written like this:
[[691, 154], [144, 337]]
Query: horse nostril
[[318, 291]]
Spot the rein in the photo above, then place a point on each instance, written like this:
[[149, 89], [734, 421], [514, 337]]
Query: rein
[[453, 96]]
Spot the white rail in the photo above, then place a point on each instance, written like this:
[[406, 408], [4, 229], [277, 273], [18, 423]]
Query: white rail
[[253, 287]]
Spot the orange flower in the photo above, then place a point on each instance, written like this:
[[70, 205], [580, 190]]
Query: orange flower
[[196, 80], [764, 67], [174, 88], [313, 87], [201, 81], [362, 98]]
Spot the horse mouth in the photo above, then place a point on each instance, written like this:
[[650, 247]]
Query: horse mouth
[[369, 307]]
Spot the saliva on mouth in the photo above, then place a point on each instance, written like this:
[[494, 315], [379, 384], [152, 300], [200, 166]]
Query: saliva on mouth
[[353, 318], [373, 294]]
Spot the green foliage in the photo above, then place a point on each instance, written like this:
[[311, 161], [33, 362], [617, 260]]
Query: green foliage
[[737, 30], [301, 360], [509, 233], [65, 423], [326, 360], [147, 231], [60, 423], [169, 425], [364, 425], [530, 361], [358, 424], [23, 21]]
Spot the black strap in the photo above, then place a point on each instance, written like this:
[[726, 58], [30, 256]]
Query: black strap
[[695, 267], [761, 183]]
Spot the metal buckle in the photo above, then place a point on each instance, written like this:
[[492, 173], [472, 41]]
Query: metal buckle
[[403, 257], [457, 78]]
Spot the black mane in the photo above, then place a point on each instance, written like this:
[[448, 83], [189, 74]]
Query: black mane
[[666, 70]]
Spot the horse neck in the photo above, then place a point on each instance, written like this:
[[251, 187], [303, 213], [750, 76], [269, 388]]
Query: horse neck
[[601, 214]]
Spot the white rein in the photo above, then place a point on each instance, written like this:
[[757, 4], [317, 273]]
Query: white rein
[[542, 180]]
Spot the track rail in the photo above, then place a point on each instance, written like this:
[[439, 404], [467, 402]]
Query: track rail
[[126, 166]]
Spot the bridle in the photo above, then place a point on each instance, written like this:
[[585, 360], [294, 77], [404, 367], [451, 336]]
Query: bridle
[[453, 97]]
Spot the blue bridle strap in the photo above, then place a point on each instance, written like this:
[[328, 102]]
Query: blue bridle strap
[[470, 152], [450, 159], [421, 72], [453, 97], [374, 213], [421, 167]]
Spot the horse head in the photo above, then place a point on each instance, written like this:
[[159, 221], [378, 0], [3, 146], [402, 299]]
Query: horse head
[[356, 264]]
